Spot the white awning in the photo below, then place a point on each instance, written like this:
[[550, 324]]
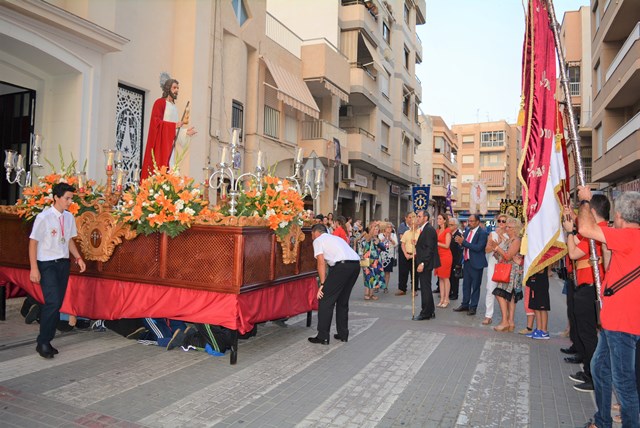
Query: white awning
[[335, 90], [292, 90], [377, 59]]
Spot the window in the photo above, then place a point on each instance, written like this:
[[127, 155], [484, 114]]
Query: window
[[386, 32], [492, 139], [407, 55], [468, 139], [598, 71], [491, 159], [438, 145], [406, 149], [467, 178], [596, 14], [384, 137], [407, 13], [271, 122], [467, 159], [384, 83], [237, 116], [599, 141], [406, 100], [290, 127], [438, 177], [240, 10], [574, 80]]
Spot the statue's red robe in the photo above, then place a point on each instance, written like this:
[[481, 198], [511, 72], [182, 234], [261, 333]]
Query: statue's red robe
[[160, 139]]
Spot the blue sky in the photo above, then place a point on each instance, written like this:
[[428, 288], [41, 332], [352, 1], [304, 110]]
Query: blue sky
[[471, 58]]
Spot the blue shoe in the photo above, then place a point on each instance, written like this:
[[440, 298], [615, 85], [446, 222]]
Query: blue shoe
[[540, 335], [530, 335]]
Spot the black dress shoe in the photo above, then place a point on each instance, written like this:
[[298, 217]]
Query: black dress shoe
[[338, 337], [45, 351], [54, 350], [461, 309], [318, 340], [425, 317], [573, 360], [570, 350], [471, 312]]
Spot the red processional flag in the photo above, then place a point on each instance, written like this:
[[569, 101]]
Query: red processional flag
[[542, 169]]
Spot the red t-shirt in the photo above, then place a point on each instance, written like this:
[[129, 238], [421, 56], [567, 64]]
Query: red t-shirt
[[585, 275], [620, 312], [338, 231]]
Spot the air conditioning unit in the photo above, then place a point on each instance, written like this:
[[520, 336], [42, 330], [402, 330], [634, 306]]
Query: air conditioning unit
[[347, 173]]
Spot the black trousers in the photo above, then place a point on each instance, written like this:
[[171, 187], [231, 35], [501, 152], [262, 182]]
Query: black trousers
[[573, 329], [426, 295], [584, 313], [337, 290], [405, 273], [455, 283], [54, 276]]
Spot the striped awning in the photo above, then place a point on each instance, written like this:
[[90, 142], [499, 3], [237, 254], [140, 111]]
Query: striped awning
[[335, 90], [292, 90], [493, 178]]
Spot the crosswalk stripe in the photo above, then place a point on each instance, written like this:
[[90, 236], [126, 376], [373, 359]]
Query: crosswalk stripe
[[222, 399], [33, 363], [508, 394], [381, 381]]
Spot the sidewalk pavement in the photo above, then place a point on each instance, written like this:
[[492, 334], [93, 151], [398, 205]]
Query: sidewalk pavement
[[393, 372]]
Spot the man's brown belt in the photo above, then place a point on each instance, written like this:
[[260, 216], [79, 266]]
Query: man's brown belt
[[581, 264]]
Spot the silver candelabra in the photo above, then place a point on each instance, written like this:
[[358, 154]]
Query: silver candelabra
[[14, 163]]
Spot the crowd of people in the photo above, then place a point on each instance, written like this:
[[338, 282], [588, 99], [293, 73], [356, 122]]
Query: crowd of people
[[604, 329]]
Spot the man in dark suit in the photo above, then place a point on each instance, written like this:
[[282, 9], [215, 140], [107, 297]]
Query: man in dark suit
[[473, 244], [456, 252], [427, 260]]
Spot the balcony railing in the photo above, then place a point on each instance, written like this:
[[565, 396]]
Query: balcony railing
[[282, 35], [322, 130], [574, 89], [355, 130], [628, 44]]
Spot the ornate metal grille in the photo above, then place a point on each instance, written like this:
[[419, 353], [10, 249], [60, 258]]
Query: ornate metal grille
[[129, 120]]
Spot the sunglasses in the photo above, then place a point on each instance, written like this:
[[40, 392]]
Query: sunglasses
[[502, 221]]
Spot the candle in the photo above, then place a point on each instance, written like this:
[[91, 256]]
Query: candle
[[80, 176], [119, 179], [235, 133], [307, 177], [224, 158], [299, 155], [119, 156], [260, 161], [136, 175], [9, 159], [20, 164], [109, 154], [37, 142], [318, 176]]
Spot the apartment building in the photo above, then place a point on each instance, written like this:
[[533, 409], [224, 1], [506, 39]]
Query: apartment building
[[575, 34], [438, 157], [339, 82], [615, 55], [488, 152]]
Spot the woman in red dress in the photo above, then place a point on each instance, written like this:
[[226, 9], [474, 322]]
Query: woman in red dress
[[446, 259]]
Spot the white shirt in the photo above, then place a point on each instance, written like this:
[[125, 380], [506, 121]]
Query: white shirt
[[333, 248], [171, 115], [48, 230]]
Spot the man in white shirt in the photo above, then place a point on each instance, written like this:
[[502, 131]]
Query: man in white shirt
[[336, 285], [50, 243]]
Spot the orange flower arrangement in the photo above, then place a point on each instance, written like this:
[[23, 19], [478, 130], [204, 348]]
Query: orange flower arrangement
[[279, 203], [39, 196], [164, 202]]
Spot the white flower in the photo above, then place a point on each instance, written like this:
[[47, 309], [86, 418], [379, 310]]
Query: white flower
[[151, 192], [145, 204], [179, 205], [152, 215], [279, 187], [283, 224], [269, 213], [165, 187], [189, 211]]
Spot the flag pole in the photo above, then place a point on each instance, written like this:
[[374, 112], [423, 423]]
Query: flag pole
[[574, 139]]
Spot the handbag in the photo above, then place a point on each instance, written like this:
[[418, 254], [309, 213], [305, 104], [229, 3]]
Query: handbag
[[502, 273], [365, 262]]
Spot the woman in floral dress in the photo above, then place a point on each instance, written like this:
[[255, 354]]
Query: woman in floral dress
[[370, 248], [508, 293]]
